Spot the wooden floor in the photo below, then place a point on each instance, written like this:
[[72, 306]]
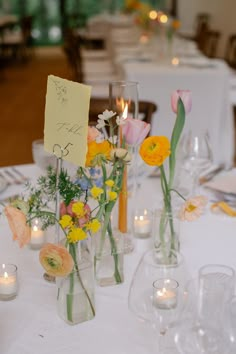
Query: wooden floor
[[22, 103]]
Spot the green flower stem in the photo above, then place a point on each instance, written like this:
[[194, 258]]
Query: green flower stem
[[166, 216], [115, 255], [72, 250]]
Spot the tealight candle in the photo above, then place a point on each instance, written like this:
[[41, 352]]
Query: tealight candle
[[165, 293], [142, 223], [175, 61], [8, 281], [37, 235]]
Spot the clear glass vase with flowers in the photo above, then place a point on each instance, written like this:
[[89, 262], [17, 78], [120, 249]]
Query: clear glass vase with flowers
[[67, 261], [154, 151], [104, 179]]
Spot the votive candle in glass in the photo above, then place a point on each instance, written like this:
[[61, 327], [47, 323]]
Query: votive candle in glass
[[142, 223], [165, 293], [8, 281], [37, 235]]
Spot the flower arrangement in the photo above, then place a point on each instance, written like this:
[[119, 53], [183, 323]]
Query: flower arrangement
[[76, 222], [154, 151], [107, 158]]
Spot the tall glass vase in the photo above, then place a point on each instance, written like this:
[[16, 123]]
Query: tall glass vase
[[75, 296], [123, 97], [109, 251], [166, 233]]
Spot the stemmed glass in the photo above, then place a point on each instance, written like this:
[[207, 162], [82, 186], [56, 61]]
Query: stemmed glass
[[195, 156], [167, 305], [123, 99]]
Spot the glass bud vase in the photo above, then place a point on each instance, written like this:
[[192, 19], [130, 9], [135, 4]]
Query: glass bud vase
[[109, 254], [75, 296], [166, 232]]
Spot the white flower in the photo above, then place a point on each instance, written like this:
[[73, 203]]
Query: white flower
[[100, 138], [113, 139], [100, 124], [106, 115], [121, 153], [120, 121]]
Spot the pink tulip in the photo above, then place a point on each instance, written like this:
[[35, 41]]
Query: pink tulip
[[93, 133], [135, 131], [186, 97]]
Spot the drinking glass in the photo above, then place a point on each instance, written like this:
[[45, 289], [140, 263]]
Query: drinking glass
[[205, 328], [167, 304], [123, 99], [194, 157], [42, 158]]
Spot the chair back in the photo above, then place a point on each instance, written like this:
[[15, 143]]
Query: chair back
[[99, 105], [71, 48], [230, 54], [210, 43]]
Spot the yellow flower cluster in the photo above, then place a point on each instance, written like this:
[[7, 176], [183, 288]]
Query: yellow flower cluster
[[79, 223]]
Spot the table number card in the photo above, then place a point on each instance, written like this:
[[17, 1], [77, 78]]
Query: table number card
[[66, 119]]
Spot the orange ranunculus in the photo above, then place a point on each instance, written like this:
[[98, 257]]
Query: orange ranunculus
[[17, 222], [56, 260], [97, 152], [154, 150]]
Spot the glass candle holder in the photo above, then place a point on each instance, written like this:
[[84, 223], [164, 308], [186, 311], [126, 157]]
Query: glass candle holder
[[8, 281], [165, 294], [37, 235], [142, 223]]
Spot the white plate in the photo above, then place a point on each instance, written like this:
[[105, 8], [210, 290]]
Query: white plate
[[3, 184]]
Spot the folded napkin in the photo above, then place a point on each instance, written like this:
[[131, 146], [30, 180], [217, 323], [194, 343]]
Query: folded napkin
[[225, 183]]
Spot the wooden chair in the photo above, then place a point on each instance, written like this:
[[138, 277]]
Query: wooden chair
[[230, 53], [18, 43], [209, 43], [99, 105]]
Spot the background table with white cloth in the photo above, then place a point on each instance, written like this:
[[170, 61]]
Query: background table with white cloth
[[30, 323], [209, 82]]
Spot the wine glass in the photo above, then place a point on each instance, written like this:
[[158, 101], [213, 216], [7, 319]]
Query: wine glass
[[194, 157]]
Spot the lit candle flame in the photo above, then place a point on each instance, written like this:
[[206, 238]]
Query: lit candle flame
[[35, 228], [5, 275], [125, 112]]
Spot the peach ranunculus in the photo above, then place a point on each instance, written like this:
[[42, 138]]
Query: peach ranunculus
[[17, 223], [154, 150], [93, 133], [56, 260], [186, 97], [193, 208], [135, 131], [97, 152]]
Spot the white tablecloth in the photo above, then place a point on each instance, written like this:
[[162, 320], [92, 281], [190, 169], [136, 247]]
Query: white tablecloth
[[29, 324], [209, 83]]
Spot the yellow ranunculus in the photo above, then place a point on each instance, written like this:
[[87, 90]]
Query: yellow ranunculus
[[94, 225], [98, 152], [154, 150], [78, 209], [66, 221], [76, 234], [96, 192], [109, 182], [112, 195]]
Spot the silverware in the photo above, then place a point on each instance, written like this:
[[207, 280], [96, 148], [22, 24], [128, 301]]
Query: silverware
[[13, 176], [207, 177]]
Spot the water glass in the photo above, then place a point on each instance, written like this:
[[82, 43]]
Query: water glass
[[42, 158]]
